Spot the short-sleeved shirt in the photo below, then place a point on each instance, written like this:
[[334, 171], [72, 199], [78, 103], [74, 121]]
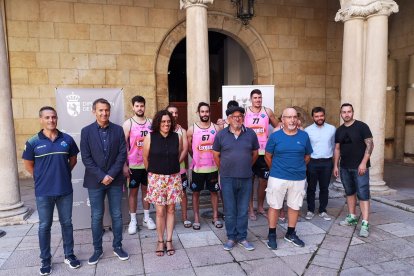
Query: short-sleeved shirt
[[322, 140], [289, 152], [236, 153], [52, 173], [352, 144]]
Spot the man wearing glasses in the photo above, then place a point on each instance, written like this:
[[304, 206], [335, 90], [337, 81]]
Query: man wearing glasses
[[235, 149], [287, 153]]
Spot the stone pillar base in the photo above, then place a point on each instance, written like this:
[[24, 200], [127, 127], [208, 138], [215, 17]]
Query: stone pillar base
[[14, 216], [409, 160]]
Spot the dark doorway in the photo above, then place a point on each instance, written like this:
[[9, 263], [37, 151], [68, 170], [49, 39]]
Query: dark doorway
[[221, 57]]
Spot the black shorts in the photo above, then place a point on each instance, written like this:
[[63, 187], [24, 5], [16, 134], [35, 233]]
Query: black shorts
[[260, 168], [138, 176], [205, 181], [184, 181]]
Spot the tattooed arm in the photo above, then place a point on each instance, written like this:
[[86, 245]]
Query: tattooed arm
[[362, 168]]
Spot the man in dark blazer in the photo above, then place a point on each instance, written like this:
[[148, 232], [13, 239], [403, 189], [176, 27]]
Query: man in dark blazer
[[103, 151]]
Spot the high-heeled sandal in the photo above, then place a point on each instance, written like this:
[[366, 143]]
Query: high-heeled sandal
[[170, 251], [158, 252]]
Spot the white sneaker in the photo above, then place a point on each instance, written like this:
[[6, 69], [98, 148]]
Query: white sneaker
[[309, 215], [150, 224], [132, 227], [325, 216]]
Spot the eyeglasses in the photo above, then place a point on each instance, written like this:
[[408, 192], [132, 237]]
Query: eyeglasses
[[166, 122], [237, 117], [291, 117]]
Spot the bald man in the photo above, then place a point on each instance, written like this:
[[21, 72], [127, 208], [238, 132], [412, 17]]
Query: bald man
[[287, 153]]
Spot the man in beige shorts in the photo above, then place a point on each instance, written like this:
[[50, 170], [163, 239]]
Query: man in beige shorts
[[287, 153]]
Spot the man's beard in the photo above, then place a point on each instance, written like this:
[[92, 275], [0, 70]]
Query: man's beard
[[205, 119], [316, 122], [140, 114]]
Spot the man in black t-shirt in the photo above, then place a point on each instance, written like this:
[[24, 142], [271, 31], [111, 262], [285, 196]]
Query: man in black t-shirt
[[353, 147]]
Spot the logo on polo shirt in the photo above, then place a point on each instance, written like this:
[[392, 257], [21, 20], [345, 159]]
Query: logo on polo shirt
[[73, 106], [63, 144]]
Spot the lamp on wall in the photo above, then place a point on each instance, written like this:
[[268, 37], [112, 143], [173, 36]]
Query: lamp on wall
[[245, 10]]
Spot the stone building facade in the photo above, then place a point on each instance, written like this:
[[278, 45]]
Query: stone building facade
[[315, 52]]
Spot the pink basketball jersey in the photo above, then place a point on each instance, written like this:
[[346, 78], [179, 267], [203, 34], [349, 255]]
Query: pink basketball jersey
[[137, 134], [259, 123], [202, 145]]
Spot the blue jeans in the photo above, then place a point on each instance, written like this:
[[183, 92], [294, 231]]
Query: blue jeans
[[318, 170], [45, 207], [97, 198], [355, 183], [236, 194]]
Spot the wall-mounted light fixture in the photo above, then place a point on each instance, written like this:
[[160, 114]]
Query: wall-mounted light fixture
[[245, 10]]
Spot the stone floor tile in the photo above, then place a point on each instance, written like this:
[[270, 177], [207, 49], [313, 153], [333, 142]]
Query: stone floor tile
[[285, 248], [375, 234], [55, 229], [178, 272], [208, 255], [82, 236], [307, 228], [82, 252], [63, 269], [348, 263], [261, 232], [356, 271], [5, 253], [261, 252], [9, 243], [379, 218], [261, 267], [20, 271], [356, 241], [16, 230], [222, 269], [22, 258], [328, 258], [314, 270], [312, 239], [155, 264], [32, 242], [398, 229], [114, 266], [398, 247], [335, 243], [150, 244], [392, 267], [297, 263], [321, 223], [366, 254], [341, 231], [197, 239]]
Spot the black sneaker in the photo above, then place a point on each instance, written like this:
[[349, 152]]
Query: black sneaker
[[122, 255], [72, 261], [46, 267], [293, 238], [94, 259], [272, 244]]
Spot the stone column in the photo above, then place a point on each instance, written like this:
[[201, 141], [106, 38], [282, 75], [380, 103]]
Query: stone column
[[390, 110], [352, 63], [401, 102], [409, 116], [12, 209], [374, 96], [198, 72], [370, 103]]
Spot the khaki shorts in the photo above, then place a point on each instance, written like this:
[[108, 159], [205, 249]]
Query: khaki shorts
[[278, 188]]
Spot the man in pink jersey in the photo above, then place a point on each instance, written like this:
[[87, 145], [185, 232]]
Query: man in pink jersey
[[204, 170], [183, 171], [135, 129], [258, 118]]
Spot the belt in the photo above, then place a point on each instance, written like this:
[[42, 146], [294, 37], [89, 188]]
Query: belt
[[321, 159]]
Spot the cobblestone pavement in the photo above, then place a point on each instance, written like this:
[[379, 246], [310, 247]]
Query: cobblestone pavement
[[330, 249]]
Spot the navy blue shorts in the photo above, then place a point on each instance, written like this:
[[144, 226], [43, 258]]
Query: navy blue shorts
[[138, 176], [260, 168], [355, 183]]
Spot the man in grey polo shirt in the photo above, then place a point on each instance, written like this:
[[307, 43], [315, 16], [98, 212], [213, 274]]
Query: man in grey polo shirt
[[320, 166], [235, 150]]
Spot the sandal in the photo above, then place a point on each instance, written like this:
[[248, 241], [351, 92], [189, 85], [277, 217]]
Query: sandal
[[196, 226], [217, 223], [160, 253], [263, 213], [187, 223], [170, 251]]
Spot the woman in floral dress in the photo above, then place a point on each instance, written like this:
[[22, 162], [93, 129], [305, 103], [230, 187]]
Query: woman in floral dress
[[162, 148]]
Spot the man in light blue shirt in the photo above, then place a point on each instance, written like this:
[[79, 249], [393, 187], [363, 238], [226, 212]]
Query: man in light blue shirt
[[319, 169]]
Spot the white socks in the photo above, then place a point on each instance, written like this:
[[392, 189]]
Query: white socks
[[146, 215], [133, 216]]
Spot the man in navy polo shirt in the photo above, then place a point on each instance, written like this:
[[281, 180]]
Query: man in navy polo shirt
[[235, 150], [287, 153], [50, 156]]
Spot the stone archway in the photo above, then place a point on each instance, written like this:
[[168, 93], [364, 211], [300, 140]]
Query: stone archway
[[224, 23]]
